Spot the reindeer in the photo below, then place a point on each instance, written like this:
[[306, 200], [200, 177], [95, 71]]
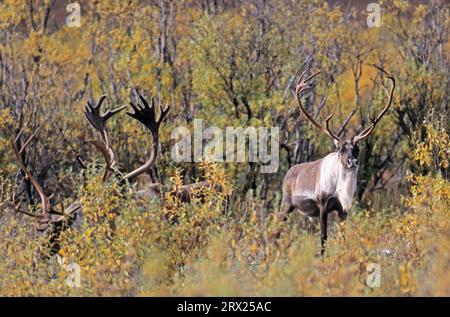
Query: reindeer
[[145, 114], [317, 188], [53, 221], [50, 220]]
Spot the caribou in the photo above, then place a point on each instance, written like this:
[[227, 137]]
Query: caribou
[[50, 219], [53, 219], [145, 114], [320, 187]]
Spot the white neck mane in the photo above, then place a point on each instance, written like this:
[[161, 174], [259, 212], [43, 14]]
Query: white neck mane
[[336, 180]]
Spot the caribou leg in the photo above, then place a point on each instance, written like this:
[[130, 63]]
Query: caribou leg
[[285, 209], [333, 203], [323, 220]]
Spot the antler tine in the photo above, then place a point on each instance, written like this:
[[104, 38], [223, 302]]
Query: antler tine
[[92, 112], [327, 123], [45, 201], [109, 113], [30, 138], [145, 103], [146, 115], [163, 113], [304, 84], [25, 212], [366, 132], [95, 118], [17, 207], [16, 139], [81, 161], [99, 121]]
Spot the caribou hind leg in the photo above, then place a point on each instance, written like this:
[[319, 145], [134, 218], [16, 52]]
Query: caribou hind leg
[[286, 208]]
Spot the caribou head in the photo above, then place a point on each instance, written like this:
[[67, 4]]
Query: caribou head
[[347, 149]]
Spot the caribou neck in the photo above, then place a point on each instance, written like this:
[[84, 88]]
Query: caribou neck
[[336, 180]]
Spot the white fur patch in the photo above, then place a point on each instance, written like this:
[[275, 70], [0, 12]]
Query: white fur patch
[[335, 180]]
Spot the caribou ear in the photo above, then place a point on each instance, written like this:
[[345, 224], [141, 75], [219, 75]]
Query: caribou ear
[[336, 143]]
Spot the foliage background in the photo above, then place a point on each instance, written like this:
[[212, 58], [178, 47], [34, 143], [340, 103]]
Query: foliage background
[[230, 63]]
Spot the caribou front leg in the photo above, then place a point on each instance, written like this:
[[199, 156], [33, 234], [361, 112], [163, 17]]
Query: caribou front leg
[[333, 203], [323, 220]]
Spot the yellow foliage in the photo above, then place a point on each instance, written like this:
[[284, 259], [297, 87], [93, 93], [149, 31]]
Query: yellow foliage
[[218, 66]]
